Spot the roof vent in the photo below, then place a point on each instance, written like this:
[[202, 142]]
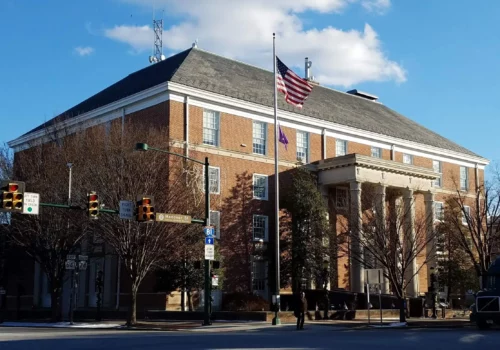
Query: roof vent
[[363, 94], [307, 70]]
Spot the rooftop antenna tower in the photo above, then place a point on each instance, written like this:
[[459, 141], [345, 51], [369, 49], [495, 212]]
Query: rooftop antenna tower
[[158, 55]]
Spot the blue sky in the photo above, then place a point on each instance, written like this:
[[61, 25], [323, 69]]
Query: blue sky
[[432, 62]]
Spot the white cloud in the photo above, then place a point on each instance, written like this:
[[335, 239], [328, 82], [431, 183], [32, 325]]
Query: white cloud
[[84, 51], [379, 6], [340, 57]]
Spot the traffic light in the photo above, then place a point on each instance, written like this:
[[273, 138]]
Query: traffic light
[[12, 194], [145, 211], [93, 205]]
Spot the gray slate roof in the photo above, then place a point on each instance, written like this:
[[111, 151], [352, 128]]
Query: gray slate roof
[[200, 69]]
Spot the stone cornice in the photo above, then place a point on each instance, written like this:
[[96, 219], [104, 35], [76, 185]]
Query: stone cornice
[[376, 163]]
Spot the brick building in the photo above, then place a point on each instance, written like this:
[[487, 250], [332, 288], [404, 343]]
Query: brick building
[[223, 109]]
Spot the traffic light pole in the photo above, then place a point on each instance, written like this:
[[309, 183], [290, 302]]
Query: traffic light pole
[[206, 222], [206, 320]]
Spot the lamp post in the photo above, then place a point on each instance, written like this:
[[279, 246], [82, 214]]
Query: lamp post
[[145, 147]]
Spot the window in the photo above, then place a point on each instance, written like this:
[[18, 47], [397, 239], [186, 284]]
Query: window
[[302, 146], [467, 214], [464, 178], [439, 211], [436, 165], [340, 148], [376, 152], [214, 178], [341, 198], [260, 185], [259, 275], [211, 123], [215, 222], [260, 228], [407, 158], [259, 137]]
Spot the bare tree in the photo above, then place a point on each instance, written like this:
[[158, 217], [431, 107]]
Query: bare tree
[[394, 245], [117, 173], [53, 234], [474, 224]]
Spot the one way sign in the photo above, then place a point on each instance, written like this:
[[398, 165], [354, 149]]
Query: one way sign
[[209, 240]]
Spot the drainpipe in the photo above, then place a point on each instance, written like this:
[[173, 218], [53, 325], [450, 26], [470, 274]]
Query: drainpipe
[[186, 125], [324, 143], [393, 152]]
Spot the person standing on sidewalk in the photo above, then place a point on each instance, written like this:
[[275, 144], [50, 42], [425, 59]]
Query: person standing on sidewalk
[[301, 310]]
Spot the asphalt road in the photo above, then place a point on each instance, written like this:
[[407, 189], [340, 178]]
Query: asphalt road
[[285, 337]]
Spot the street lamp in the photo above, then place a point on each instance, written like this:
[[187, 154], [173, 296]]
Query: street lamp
[[143, 147]]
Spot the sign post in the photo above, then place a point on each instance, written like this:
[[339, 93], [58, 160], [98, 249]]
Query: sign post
[[374, 278]]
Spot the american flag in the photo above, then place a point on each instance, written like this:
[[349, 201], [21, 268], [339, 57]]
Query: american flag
[[295, 88]]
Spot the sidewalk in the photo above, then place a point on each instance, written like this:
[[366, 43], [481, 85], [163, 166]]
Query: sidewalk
[[225, 326]]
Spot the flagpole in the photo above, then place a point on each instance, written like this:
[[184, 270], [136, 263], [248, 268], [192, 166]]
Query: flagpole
[[276, 320]]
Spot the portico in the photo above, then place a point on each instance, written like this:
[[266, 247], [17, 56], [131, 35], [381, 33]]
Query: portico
[[355, 184]]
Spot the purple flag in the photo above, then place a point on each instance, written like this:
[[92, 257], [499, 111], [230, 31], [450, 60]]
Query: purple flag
[[283, 138]]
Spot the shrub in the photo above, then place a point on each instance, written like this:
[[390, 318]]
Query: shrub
[[239, 301]]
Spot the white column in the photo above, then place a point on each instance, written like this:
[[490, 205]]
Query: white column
[[325, 194], [409, 217], [357, 271], [430, 216], [380, 207]]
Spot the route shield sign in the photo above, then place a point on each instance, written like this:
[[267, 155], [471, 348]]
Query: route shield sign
[[208, 231]]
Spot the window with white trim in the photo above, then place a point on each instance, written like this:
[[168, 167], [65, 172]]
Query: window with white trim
[[259, 274], [341, 200], [214, 179], [260, 186], [376, 152], [465, 214], [302, 146], [215, 222], [211, 127], [407, 158], [340, 148], [436, 166], [260, 228], [439, 211], [464, 178], [259, 137]]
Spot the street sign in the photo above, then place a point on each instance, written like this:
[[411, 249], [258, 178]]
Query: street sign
[[374, 276], [209, 240], [71, 257], [70, 264], [83, 257], [209, 252], [177, 218], [82, 265], [215, 281], [126, 210], [31, 203], [208, 231]]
